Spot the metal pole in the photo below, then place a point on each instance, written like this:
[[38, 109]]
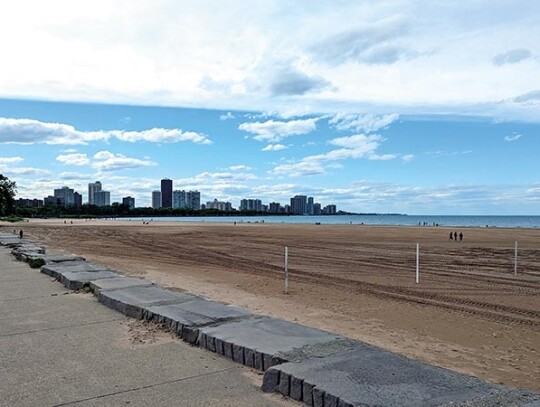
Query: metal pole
[[286, 270], [417, 263], [516, 258]]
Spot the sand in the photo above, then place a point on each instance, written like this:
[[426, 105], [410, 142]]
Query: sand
[[469, 313]]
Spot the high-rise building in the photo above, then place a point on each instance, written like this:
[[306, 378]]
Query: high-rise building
[[316, 209], [102, 198], [274, 207], [129, 202], [78, 199], [219, 205], [329, 210], [156, 199], [309, 206], [93, 187], [251, 205], [193, 199], [298, 204], [179, 199], [166, 193], [66, 196]]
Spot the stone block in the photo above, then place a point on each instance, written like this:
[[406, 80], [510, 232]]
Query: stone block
[[79, 280], [117, 283]]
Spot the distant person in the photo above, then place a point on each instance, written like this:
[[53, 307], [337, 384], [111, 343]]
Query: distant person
[[455, 236], [451, 236], [460, 236], [21, 234]]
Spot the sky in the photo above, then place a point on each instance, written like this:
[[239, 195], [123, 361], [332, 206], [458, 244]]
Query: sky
[[408, 106]]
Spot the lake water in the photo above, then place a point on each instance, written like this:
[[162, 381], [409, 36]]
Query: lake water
[[394, 220]]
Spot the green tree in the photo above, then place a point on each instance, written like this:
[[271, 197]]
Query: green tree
[[7, 195]]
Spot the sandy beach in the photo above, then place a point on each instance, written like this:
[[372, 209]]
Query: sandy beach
[[469, 313]]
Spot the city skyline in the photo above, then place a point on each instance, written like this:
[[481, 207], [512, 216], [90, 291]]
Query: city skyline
[[411, 107]]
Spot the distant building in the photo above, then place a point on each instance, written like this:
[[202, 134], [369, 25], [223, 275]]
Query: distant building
[[193, 200], [29, 203], [93, 187], [180, 199], [156, 199], [287, 209], [329, 210], [129, 202], [219, 205], [298, 204], [52, 201], [317, 209], [66, 196], [166, 193], [102, 198], [78, 199], [274, 207], [251, 205], [309, 206]]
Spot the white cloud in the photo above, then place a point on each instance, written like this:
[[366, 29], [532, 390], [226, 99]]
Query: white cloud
[[27, 171], [274, 131], [362, 123], [74, 176], [274, 147], [240, 167], [354, 147], [28, 131], [228, 116], [73, 159], [107, 161], [513, 137], [407, 157], [10, 160]]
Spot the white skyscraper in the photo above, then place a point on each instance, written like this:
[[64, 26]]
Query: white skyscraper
[[156, 199], [92, 189]]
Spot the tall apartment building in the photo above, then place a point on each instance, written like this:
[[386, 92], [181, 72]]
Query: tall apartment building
[[179, 199], [93, 187], [317, 209], [329, 210], [166, 193], [156, 199], [219, 205], [129, 202], [78, 199], [309, 206], [298, 204], [193, 199], [102, 198], [274, 207], [251, 205], [65, 195]]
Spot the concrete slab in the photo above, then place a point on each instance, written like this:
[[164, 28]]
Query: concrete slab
[[262, 342], [51, 259], [81, 279], [368, 376], [186, 318], [56, 269], [131, 301], [117, 283]]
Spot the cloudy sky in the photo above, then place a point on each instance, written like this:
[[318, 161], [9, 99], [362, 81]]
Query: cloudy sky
[[409, 106]]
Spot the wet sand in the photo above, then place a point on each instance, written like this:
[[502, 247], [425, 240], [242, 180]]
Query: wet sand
[[469, 312]]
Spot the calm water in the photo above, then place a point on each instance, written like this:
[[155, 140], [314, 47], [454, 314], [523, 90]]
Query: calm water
[[395, 220]]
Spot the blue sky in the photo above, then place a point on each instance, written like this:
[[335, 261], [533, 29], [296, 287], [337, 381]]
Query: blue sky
[[388, 106]]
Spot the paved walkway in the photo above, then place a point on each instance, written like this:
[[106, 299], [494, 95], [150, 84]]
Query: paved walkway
[[58, 348]]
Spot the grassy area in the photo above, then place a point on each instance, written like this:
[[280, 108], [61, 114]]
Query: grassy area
[[12, 219]]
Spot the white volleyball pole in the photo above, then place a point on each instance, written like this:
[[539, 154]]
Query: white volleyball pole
[[417, 263], [286, 270], [515, 258]]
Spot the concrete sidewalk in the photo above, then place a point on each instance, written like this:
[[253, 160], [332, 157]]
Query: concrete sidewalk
[[60, 348]]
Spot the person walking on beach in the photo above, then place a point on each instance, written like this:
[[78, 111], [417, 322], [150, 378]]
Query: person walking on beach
[[451, 236], [460, 236], [21, 234], [455, 236]]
